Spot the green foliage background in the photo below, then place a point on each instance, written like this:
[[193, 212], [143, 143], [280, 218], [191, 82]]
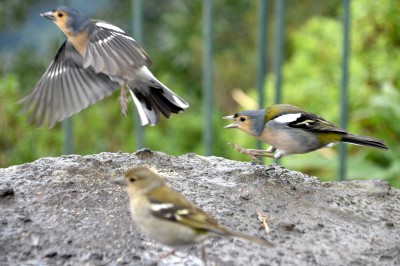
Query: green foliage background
[[173, 40]]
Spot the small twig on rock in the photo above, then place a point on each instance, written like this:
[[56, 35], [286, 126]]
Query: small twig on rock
[[263, 218]]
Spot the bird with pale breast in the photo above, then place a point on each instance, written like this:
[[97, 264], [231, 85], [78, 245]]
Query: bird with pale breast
[[96, 59], [291, 130], [168, 217]]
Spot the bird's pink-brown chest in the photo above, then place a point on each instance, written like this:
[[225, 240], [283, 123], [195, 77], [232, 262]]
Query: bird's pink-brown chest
[[291, 141], [79, 42]]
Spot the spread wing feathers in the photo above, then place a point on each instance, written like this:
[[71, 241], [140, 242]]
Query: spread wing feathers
[[312, 122], [152, 98], [112, 52], [183, 211], [65, 89]]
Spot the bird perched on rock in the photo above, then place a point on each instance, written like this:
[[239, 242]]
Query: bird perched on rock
[[291, 130], [167, 216], [96, 59]]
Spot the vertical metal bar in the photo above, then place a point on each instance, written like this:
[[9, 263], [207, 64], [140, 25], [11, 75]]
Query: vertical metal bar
[[207, 77], [261, 54], [67, 126], [137, 26], [279, 47], [279, 50], [344, 85]]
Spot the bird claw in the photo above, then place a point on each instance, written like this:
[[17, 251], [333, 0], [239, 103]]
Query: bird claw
[[254, 153]]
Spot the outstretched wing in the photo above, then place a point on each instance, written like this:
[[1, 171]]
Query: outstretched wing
[[112, 52], [65, 89]]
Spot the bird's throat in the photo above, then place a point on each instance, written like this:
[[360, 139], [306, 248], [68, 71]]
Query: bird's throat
[[79, 42]]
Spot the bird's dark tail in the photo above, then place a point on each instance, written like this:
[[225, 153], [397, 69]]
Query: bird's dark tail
[[364, 141], [253, 239], [153, 98]]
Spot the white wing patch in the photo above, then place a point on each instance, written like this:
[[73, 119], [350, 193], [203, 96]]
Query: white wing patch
[[118, 32], [57, 72], [330, 145], [288, 118], [183, 212], [109, 26], [115, 35], [159, 207], [106, 40]]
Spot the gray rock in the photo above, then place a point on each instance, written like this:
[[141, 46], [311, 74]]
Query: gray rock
[[66, 211]]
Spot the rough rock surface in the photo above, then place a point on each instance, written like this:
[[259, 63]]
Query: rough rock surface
[[65, 211]]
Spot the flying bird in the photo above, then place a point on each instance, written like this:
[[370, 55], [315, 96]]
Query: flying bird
[[96, 59]]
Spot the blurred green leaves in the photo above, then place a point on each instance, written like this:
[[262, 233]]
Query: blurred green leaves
[[172, 34]]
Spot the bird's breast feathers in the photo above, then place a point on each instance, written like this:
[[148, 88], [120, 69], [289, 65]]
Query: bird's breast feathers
[[79, 42]]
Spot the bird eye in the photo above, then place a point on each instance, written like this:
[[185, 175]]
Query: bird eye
[[242, 119], [60, 14], [132, 179]]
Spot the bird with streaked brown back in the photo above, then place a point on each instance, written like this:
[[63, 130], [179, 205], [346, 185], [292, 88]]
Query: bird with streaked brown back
[[166, 216]]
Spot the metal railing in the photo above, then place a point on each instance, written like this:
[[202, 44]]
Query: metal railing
[[137, 31], [261, 54], [344, 84]]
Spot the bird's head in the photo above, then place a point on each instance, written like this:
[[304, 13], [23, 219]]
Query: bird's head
[[251, 121], [140, 180], [68, 19]]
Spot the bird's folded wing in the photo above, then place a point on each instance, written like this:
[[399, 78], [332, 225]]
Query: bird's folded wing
[[112, 52], [176, 208], [65, 88], [311, 122]]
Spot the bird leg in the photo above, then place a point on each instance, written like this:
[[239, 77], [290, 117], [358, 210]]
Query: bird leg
[[271, 149], [203, 255], [123, 102], [253, 152]]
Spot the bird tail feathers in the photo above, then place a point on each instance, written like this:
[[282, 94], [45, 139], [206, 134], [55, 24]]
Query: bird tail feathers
[[252, 239], [153, 98], [364, 141]]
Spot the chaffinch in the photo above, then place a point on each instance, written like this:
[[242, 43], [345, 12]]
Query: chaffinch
[[94, 61], [291, 130], [167, 216]]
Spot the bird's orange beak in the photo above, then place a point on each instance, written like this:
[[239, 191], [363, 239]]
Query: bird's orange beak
[[48, 15], [230, 117]]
